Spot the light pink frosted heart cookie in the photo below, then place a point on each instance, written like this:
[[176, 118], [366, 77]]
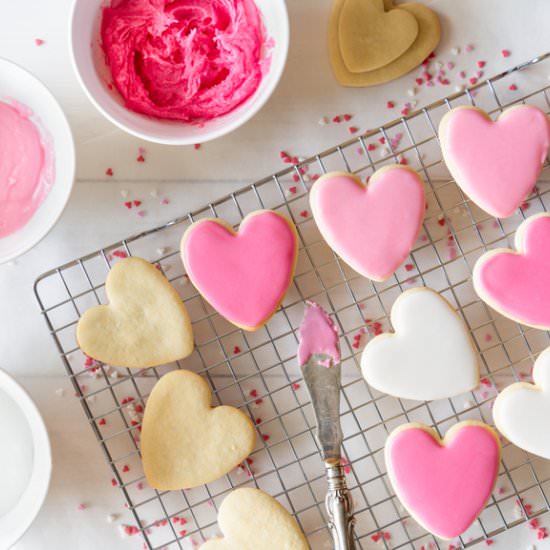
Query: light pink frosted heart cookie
[[372, 228], [517, 284], [432, 476], [244, 275], [495, 163]]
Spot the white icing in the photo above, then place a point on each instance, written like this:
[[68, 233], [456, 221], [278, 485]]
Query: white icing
[[16, 453], [521, 411], [430, 355]]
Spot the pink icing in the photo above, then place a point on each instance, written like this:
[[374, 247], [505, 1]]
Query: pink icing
[[26, 167], [318, 336], [518, 285], [496, 163], [243, 275], [372, 228], [184, 60], [444, 486]]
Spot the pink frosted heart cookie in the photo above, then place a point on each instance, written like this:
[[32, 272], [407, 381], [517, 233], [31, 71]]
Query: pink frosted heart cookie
[[372, 228], [517, 284], [495, 163], [244, 275], [433, 476]]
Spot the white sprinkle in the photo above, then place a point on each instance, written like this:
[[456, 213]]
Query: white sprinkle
[[455, 50], [438, 65], [154, 193], [459, 88], [411, 92], [60, 392], [468, 404], [384, 151], [413, 103], [162, 250], [323, 121], [11, 263], [115, 374], [111, 518], [531, 547], [124, 193]]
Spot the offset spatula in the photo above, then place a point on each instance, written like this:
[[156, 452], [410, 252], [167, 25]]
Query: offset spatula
[[319, 358]]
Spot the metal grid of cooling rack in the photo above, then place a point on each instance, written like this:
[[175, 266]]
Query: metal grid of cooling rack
[[258, 372]]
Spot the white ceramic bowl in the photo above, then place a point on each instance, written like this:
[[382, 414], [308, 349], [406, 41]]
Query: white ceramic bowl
[[16, 83], [94, 74], [15, 523]]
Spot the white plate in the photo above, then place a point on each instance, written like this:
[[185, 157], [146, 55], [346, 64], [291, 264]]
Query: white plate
[[94, 74], [15, 523], [16, 83]]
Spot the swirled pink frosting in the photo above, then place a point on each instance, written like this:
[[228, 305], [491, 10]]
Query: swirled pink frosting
[[185, 60], [26, 167]]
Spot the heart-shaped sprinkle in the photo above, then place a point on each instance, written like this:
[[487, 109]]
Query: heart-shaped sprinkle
[[495, 163], [185, 442], [244, 275], [372, 228], [517, 284], [433, 476], [430, 355], [251, 515], [145, 323]]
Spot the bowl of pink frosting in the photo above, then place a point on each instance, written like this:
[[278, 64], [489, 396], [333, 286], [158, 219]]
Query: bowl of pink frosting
[[179, 72], [37, 161]]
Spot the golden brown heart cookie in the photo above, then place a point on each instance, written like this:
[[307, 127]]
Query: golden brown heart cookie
[[429, 33], [145, 323], [185, 442], [370, 37], [252, 520]]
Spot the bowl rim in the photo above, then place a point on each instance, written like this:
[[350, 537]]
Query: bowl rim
[[224, 130], [32, 414], [61, 205]]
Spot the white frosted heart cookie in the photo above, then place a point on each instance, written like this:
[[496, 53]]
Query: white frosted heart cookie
[[521, 410], [185, 442], [430, 355], [145, 323], [252, 520]]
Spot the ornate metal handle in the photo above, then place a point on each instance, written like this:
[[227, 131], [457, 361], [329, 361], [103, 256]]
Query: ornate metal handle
[[339, 508]]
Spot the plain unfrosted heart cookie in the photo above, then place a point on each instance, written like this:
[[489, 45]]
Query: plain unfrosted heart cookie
[[185, 442], [517, 284], [426, 41], [432, 477], [145, 323], [430, 355], [244, 275], [495, 163], [371, 37], [521, 411], [372, 228], [252, 520]]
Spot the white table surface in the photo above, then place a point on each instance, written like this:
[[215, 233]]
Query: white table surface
[[189, 178]]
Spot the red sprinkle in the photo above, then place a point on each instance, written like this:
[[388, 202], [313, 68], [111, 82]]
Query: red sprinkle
[[265, 437], [295, 178], [481, 64], [295, 386], [183, 532], [489, 542], [534, 523], [120, 254], [371, 147], [38, 41], [347, 118], [505, 53], [419, 81], [293, 189], [304, 213], [337, 119], [141, 158], [126, 468], [258, 420], [390, 105], [253, 393], [472, 80], [409, 267], [353, 129], [113, 482], [102, 422], [137, 203], [542, 533], [109, 172], [128, 204], [236, 350], [197, 146], [512, 87]]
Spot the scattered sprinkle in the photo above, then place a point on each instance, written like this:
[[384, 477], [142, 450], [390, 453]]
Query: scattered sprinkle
[[197, 146], [512, 87], [111, 518], [39, 42], [506, 53], [109, 172], [469, 48], [353, 129], [390, 105], [323, 121], [304, 214], [455, 50]]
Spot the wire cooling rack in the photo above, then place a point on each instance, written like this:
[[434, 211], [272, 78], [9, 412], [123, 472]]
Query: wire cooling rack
[[258, 371]]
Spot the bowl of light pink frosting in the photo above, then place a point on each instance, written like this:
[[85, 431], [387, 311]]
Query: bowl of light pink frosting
[[179, 72], [37, 161]]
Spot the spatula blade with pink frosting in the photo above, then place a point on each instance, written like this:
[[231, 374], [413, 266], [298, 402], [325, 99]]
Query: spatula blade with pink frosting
[[496, 163], [372, 228]]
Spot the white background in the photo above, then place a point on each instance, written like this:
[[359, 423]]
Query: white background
[[189, 178]]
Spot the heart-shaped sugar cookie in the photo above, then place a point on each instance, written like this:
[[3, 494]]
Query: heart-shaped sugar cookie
[[185, 442], [517, 284], [252, 520], [145, 323], [495, 163], [521, 410], [244, 275], [429, 33], [434, 477], [430, 355], [372, 228], [370, 37]]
